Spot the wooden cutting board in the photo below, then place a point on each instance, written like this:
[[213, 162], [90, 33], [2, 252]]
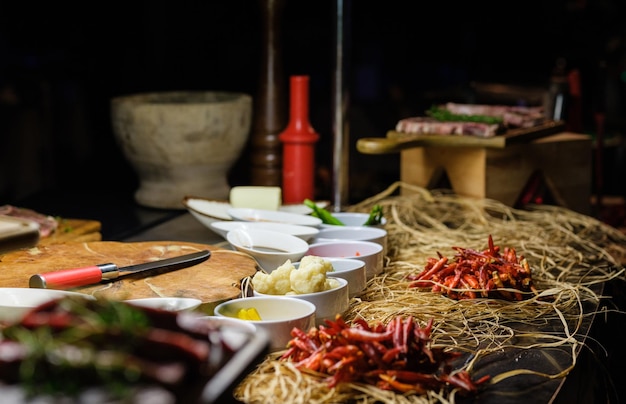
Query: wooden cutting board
[[74, 230], [395, 142], [212, 281]]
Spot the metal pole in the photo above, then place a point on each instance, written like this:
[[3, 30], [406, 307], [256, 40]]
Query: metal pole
[[341, 134]]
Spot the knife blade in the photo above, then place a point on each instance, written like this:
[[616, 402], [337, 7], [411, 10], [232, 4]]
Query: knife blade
[[71, 278]]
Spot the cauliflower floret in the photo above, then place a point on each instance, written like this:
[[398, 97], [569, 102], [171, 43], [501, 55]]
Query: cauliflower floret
[[311, 275], [287, 280], [276, 282], [331, 283]]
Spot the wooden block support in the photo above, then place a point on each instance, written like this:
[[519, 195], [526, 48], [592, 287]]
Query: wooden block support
[[564, 159]]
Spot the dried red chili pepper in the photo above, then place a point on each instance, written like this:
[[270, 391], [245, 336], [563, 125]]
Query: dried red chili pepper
[[494, 272], [396, 356]]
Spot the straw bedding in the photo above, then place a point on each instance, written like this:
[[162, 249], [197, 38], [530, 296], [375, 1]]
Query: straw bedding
[[570, 255]]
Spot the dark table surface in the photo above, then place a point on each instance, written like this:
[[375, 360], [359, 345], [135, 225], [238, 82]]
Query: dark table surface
[[597, 377]]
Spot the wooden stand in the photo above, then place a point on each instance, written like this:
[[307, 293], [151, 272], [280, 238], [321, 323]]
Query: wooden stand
[[563, 159]]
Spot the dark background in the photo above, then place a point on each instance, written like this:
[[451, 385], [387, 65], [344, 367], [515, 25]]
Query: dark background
[[60, 65]]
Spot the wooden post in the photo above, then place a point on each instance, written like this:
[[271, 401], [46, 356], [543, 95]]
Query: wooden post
[[269, 117]]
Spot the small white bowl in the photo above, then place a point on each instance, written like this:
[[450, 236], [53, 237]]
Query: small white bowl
[[271, 249], [16, 302], [261, 215], [349, 269], [328, 303], [279, 315], [358, 233], [306, 233], [353, 219], [166, 303], [233, 331], [368, 252]]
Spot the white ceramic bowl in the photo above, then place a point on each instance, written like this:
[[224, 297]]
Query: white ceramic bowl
[[270, 248], [279, 315], [358, 233], [16, 302], [349, 269], [261, 215], [368, 252], [235, 332], [167, 303], [328, 303], [207, 211], [353, 219], [306, 233]]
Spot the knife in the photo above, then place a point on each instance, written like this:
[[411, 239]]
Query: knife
[[71, 278]]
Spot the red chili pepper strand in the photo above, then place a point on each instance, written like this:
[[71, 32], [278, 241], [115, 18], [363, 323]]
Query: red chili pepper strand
[[483, 281], [395, 327], [312, 362], [289, 353], [379, 346], [356, 334], [359, 322], [458, 273], [391, 354], [435, 268], [373, 354], [341, 363], [492, 248], [365, 360], [460, 379], [423, 333], [407, 376], [401, 387], [467, 294], [341, 351], [407, 330], [308, 344]]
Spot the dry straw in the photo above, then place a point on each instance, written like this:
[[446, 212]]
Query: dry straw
[[571, 256]]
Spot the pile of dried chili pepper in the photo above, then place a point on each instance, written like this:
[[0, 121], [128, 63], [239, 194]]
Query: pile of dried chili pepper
[[395, 357], [490, 273]]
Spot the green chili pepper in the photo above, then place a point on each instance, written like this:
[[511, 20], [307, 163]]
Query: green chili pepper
[[375, 217], [322, 213]]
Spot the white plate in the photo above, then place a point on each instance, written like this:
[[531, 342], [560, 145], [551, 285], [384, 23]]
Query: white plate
[[208, 210], [306, 233], [260, 215]]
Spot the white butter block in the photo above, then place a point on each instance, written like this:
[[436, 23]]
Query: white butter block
[[256, 197]]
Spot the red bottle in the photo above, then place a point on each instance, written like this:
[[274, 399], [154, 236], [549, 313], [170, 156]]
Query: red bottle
[[298, 140]]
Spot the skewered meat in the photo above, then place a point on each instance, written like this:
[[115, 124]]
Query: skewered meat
[[431, 126], [512, 116]]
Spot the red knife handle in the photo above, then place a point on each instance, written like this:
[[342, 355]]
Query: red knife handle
[[71, 278]]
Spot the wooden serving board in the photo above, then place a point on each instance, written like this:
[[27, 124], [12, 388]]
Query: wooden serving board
[[212, 281], [395, 142], [69, 230]]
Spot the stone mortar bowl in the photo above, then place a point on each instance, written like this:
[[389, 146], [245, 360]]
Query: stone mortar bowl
[[181, 143]]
